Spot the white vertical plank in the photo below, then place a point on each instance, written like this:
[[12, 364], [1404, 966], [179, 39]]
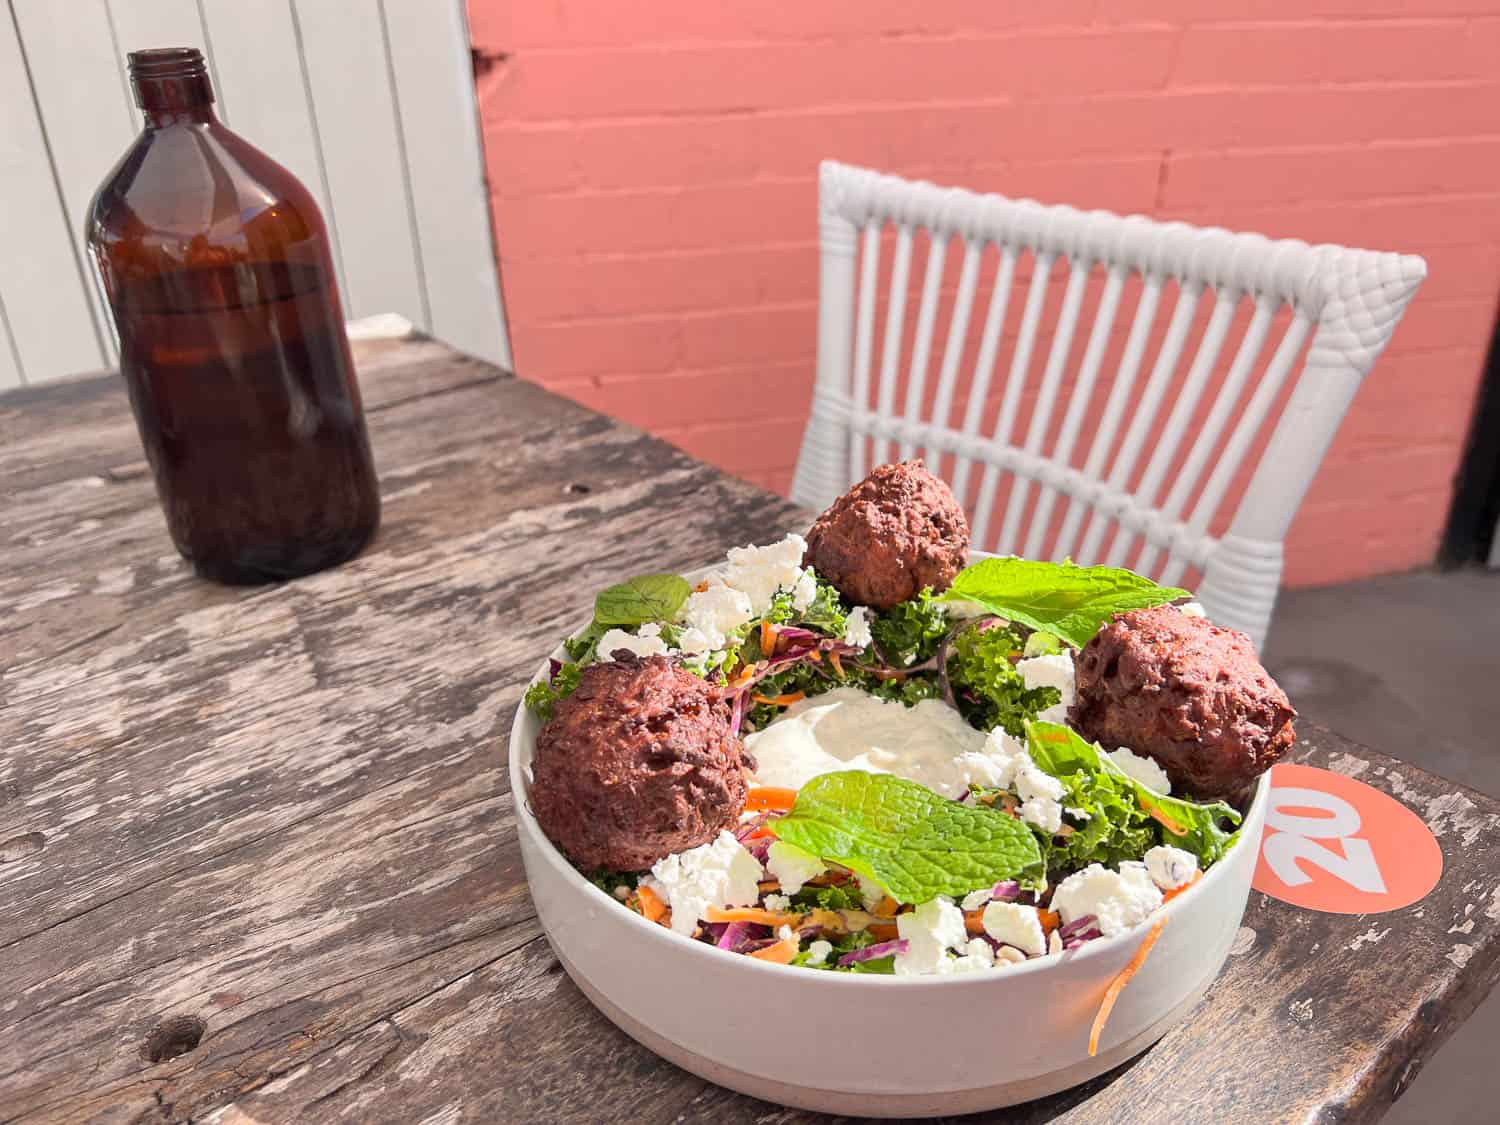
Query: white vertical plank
[[260, 71], [344, 48], [10, 364], [78, 76], [428, 44], [51, 329]]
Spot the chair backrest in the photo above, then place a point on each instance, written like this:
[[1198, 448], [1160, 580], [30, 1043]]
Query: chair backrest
[[1112, 456]]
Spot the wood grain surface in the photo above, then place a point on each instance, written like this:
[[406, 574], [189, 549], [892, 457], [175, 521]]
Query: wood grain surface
[[257, 857]]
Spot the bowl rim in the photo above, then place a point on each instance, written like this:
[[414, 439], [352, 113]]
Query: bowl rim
[[1099, 947]]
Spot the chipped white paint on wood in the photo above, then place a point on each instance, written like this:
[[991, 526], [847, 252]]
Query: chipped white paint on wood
[[282, 811]]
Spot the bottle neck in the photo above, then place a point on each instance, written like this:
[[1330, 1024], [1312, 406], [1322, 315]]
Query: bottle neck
[[172, 87], [189, 115]]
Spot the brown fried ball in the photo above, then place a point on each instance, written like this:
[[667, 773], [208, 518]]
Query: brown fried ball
[[1185, 692], [893, 533], [637, 763]]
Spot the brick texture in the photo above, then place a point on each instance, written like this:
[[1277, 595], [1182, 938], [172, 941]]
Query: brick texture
[[652, 171]]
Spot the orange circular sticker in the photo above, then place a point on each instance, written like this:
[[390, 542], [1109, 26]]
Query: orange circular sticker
[[1335, 844]]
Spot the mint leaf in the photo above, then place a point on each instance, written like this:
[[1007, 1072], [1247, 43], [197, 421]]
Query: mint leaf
[[649, 597], [913, 842], [1068, 601], [1096, 785]]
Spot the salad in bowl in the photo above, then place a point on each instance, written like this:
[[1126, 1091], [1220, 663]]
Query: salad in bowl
[[864, 753]]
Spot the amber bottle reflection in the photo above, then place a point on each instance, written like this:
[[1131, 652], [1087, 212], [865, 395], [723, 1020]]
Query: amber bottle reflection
[[216, 266]]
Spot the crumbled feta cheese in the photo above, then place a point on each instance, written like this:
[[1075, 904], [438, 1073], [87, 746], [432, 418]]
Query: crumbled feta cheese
[[1054, 943], [981, 950], [622, 892], [1192, 609], [720, 873], [804, 591], [1008, 955], [1119, 900], [981, 769], [1010, 923], [785, 933], [968, 964], [975, 899], [1142, 769], [694, 641], [1076, 814], [647, 642], [963, 609], [778, 903], [996, 766], [761, 571], [857, 628], [930, 931], [871, 893], [1033, 782], [710, 615], [1170, 867], [1054, 671], [1044, 812], [818, 952], [790, 866]]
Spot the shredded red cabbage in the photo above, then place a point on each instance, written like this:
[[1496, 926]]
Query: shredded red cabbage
[[1006, 890], [873, 952], [735, 935], [1077, 926]]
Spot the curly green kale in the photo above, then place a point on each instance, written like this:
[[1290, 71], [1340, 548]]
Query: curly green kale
[[541, 697], [910, 633], [988, 688], [825, 613]]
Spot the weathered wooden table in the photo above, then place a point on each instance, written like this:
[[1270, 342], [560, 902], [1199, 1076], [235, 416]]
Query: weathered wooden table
[[257, 858]]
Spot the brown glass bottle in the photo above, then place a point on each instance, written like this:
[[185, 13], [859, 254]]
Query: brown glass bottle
[[216, 266]]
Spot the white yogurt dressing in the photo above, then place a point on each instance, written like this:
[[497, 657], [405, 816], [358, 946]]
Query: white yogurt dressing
[[847, 729]]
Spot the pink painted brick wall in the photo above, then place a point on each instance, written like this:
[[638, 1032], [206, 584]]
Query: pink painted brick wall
[[652, 169]]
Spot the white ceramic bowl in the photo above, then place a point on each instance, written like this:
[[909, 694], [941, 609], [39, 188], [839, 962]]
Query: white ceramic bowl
[[877, 1046]]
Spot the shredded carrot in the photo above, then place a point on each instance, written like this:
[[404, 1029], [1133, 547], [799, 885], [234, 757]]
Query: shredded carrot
[[830, 920], [766, 798], [1117, 985], [838, 669], [767, 639], [886, 908], [652, 907], [1168, 896], [974, 922], [701, 586], [884, 931], [1163, 819], [1050, 919], [815, 656], [767, 886], [781, 953], [754, 914], [781, 700]]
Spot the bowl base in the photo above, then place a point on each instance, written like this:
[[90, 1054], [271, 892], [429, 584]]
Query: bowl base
[[860, 1103]]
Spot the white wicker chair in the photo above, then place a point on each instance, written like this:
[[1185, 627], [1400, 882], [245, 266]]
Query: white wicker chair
[[1354, 298]]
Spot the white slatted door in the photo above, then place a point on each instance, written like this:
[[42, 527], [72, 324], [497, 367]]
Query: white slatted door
[[259, 61], [370, 103], [445, 169], [46, 323], [363, 154]]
